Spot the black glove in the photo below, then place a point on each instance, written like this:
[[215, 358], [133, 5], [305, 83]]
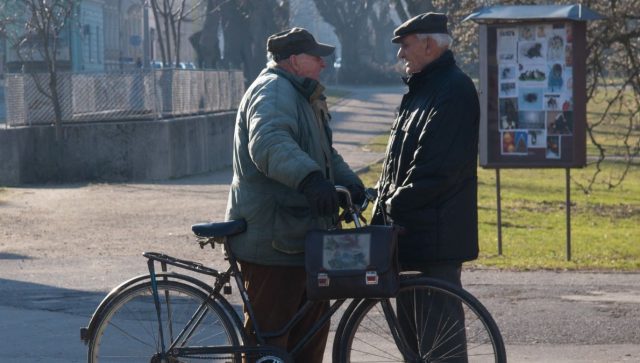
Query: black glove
[[320, 193], [357, 196]]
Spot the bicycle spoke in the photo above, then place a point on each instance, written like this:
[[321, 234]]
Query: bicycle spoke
[[431, 322], [124, 332], [443, 333], [382, 353]]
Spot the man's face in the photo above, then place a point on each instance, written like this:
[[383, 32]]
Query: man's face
[[414, 52], [308, 65]]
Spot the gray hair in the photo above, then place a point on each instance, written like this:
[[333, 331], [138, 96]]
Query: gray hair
[[271, 62], [441, 39]]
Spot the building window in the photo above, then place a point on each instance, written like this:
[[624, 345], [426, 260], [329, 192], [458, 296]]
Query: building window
[[86, 34], [98, 37]]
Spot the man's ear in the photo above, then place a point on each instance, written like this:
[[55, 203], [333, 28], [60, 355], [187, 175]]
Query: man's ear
[[428, 45], [293, 60]]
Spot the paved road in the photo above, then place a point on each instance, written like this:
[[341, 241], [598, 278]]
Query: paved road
[[63, 247]]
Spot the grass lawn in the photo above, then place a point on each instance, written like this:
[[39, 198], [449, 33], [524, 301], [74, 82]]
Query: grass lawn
[[335, 95], [605, 224]]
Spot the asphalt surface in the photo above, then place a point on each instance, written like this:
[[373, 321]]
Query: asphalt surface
[[63, 247]]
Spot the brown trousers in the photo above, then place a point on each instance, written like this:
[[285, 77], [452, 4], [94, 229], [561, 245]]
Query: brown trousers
[[276, 293]]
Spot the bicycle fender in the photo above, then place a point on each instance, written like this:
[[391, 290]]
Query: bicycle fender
[[86, 333]]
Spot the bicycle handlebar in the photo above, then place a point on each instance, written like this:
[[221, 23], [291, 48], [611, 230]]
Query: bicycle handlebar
[[356, 210]]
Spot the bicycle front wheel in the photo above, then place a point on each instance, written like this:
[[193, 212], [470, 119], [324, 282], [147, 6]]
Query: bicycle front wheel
[[429, 321], [129, 329]]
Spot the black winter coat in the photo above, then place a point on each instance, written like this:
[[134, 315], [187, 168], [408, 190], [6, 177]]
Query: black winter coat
[[429, 182]]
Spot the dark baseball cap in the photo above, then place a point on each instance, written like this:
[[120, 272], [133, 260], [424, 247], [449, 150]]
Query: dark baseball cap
[[295, 41], [427, 23]]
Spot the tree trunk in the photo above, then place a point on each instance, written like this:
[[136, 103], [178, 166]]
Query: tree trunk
[[57, 107], [236, 36], [207, 45], [167, 29], [156, 16]]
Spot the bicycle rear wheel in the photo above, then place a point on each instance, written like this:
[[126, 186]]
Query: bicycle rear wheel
[[128, 330], [429, 321]]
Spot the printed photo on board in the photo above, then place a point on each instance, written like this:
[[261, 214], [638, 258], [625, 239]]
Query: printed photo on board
[[507, 46], [532, 74], [542, 31], [508, 113], [514, 143], [569, 31], [555, 80], [527, 32], [508, 72], [559, 123], [507, 40], [536, 139], [530, 120], [553, 147], [568, 55], [508, 89], [530, 99], [555, 49], [552, 102], [532, 52]]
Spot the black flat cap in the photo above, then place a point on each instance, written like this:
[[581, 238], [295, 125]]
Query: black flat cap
[[296, 41], [427, 23]]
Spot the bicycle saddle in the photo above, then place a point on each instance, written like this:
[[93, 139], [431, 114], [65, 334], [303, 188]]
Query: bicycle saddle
[[219, 229]]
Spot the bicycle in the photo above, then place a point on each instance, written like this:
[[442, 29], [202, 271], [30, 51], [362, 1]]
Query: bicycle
[[173, 317]]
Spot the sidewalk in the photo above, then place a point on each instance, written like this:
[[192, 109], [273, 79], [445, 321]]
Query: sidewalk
[[365, 114], [63, 247]]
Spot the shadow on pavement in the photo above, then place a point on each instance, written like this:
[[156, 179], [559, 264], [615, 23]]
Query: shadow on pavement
[[32, 296]]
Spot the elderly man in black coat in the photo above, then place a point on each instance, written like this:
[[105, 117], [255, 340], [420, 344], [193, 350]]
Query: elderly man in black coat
[[428, 183]]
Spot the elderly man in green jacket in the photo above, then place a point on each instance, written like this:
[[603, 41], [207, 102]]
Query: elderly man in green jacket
[[284, 171]]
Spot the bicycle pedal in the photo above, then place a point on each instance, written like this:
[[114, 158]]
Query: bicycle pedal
[[226, 290]]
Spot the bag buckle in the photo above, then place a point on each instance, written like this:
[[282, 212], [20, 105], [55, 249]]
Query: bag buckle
[[371, 278], [323, 279]]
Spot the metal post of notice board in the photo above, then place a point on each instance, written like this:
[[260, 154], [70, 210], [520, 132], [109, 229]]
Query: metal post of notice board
[[568, 206], [499, 212]]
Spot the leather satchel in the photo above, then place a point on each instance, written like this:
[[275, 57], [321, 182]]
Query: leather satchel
[[352, 263]]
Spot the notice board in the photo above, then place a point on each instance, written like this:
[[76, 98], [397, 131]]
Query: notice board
[[533, 94]]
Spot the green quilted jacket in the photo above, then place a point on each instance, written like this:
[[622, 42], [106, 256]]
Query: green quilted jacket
[[281, 135]]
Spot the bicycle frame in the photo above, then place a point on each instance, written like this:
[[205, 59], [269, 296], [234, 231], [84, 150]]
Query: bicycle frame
[[221, 280]]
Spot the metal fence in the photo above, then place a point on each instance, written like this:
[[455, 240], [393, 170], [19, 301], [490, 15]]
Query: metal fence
[[93, 97]]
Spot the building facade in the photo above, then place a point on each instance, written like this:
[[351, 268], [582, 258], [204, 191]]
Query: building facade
[[107, 35]]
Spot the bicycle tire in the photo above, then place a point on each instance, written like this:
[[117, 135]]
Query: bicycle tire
[[373, 333], [127, 330]]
